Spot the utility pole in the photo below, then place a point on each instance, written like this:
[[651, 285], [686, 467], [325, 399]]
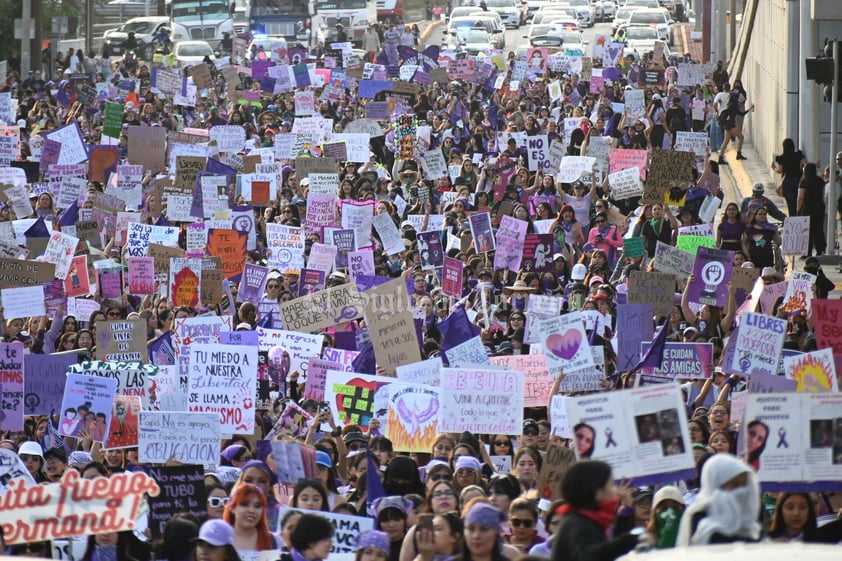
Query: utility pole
[[26, 26], [831, 192]]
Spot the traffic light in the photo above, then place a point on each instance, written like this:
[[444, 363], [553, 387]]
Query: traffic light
[[820, 69]]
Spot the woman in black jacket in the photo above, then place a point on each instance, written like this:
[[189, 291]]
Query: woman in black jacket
[[592, 501]]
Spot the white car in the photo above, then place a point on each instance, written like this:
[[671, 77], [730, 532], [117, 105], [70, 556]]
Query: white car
[[621, 18], [544, 17], [509, 10], [188, 53], [584, 11], [641, 40], [470, 41], [604, 9], [657, 18], [642, 4]]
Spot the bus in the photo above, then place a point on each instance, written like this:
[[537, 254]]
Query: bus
[[354, 15], [201, 20], [389, 9], [278, 18]]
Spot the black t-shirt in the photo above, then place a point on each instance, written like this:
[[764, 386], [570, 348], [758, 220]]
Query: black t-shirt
[[791, 163], [676, 117]]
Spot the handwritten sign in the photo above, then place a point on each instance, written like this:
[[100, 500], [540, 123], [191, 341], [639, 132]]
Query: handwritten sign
[[657, 289], [122, 341], [11, 386], [190, 438], [759, 343], [182, 490], [537, 379], [223, 380], [481, 401], [322, 309], [795, 236]]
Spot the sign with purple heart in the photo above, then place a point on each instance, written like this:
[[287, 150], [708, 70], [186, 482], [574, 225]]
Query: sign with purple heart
[[711, 271], [565, 343]]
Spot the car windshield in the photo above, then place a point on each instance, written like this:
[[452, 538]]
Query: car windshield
[[642, 17], [194, 50], [641, 33], [499, 3], [624, 13], [204, 10], [471, 36], [138, 27]]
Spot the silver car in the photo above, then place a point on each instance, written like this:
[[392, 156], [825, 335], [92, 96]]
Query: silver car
[[509, 10]]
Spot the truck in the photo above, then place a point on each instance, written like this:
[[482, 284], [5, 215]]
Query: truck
[[204, 20]]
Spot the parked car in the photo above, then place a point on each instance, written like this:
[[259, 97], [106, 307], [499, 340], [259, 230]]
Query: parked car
[[470, 41], [144, 29]]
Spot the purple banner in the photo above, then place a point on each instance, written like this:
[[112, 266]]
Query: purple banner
[[44, 378], [683, 360], [634, 326], [252, 283]]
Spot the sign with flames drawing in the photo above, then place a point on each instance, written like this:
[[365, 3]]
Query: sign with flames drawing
[[412, 418]]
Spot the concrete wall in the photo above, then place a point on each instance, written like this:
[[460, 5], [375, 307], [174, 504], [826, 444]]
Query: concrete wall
[[764, 77], [769, 53]]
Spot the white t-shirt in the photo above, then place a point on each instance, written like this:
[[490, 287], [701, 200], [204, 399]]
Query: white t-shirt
[[722, 100]]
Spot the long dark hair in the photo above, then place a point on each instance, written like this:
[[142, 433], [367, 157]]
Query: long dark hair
[[582, 482], [778, 528], [788, 146]]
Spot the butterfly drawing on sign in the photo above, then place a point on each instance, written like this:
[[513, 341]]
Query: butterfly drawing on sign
[[412, 418]]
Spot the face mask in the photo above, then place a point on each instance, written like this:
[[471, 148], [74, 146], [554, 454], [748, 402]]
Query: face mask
[[667, 522], [519, 304], [548, 284]]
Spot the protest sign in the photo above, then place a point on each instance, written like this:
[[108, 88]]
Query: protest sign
[[223, 380], [426, 372], [412, 419], [827, 315], [510, 235], [537, 379], [44, 377], [652, 288], [23, 302], [626, 184], [537, 152], [683, 360], [133, 378], [11, 386], [185, 281], [352, 397], [434, 165], [572, 168], [15, 272], [795, 235], [553, 467], [322, 309], [797, 437], [59, 252], [694, 142], [634, 325], [633, 247], [669, 168], [190, 438], [452, 280], [669, 259], [618, 160], [73, 507], [145, 145], [481, 401], [301, 347], [86, 406], [121, 341], [641, 433], [799, 292], [201, 329], [182, 491], [758, 346], [286, 246], [711, 272], [591, 378], [564, 342], [813, 372], [230, 245]]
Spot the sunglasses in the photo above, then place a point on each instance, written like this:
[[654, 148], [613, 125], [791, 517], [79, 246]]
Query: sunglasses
[[501, 443], [517, 318], [441, 477], [530, 432], [525, 522], [273, 286], [442, 494], [217, 502], [600, 221], [113, 314]]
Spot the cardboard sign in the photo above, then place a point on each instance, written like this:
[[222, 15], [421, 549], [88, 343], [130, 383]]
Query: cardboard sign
[[14, 272], [322, 309], [73, 506], [795, 236], [669, 168], [145, 145], [389, 318], [657, 289], [122, 341], [481, 401], [555, 464], [190, 438], [827, 315]]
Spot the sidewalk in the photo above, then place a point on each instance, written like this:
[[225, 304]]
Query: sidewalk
[[737, 179]]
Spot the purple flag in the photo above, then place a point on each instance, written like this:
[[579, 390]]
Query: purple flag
[[374, 485], [161, 352], [364, 363], [654, 356], [455, 329], [37, 230], [70, 216]]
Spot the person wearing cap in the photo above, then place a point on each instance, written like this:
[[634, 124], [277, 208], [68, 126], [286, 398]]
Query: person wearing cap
[[56, 463], [757, 200], [529, 433], [592, 497], [391, 514], [372, 545], [327, 475], [667, 510], [635, 510], [32, 457]]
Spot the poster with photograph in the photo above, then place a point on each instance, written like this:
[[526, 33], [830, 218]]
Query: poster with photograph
[[794, 440], [642, 433]]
